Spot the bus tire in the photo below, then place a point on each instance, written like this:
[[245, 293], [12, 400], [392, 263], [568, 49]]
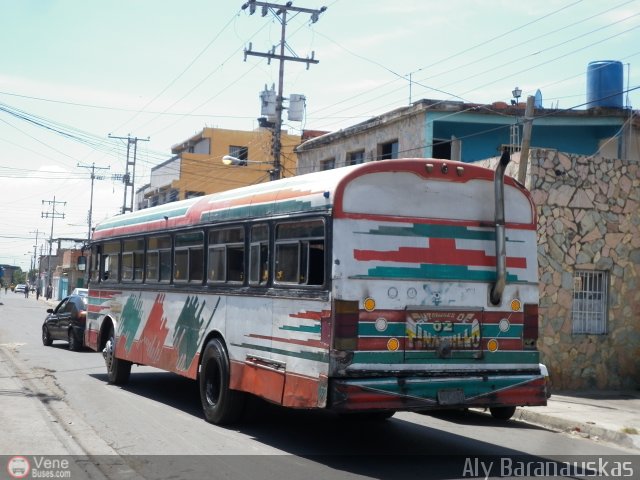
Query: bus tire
[[502, 413], [220, 404], [118, 370]]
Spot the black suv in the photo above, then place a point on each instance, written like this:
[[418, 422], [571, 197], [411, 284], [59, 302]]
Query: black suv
[[66, 322]]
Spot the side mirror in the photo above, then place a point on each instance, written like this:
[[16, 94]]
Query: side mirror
[[49, 310], [82, 263]]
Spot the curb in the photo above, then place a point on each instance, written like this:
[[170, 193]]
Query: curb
[[585, 430]]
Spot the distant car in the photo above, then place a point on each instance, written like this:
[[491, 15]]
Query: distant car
[[83, 292], [20, 288], [66, 322]]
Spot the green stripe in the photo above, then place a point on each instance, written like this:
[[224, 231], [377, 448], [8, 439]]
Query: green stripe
[[260, 210], [302, 328], [314, 356], [493, 331], [368, 329], [393, 330], [143, 218], [435, 272], [434, 231], [432, 358]]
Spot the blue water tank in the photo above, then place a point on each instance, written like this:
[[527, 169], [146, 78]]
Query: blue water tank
[[604, 84]]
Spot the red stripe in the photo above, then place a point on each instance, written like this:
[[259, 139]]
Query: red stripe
[[378, 343], [311, 315], [441, 251]]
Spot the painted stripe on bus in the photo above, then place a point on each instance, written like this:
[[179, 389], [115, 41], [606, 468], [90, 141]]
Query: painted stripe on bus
[[431, 357], [306, 355]]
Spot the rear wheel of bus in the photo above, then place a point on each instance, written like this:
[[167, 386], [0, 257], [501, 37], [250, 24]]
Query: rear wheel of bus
[[220, 404], [502, 413], [118, 370]]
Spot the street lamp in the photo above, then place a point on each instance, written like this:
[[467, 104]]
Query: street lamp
[[517, 93], [515, 129], [234, 161]]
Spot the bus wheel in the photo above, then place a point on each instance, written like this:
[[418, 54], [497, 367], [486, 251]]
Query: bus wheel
[[46, 337], [220, 404], [502, 413], [118, 370]]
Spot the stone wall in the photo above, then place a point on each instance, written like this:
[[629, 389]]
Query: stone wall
[[588, 219]]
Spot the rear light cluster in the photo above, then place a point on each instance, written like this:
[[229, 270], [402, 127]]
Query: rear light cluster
[[82, 316], [530, 331], [345, 325]]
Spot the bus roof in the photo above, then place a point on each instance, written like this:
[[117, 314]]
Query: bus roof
[[313, 192]]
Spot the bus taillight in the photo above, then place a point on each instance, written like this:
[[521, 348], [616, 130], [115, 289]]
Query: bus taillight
[[530, 331], [345, 325]]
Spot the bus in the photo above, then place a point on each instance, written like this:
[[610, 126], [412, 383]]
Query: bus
[[395, 285]]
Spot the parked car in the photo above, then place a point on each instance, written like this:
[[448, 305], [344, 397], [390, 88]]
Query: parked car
[[83, 292], [66, 322], [20, 288]]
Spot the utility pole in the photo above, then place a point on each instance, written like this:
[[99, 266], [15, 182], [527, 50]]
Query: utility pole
[[93, 177], [526, 140], [129, 178], [53, 214], [35, 251], [280, 12]]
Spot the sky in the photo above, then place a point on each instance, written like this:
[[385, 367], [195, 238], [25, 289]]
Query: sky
[[75, 72]]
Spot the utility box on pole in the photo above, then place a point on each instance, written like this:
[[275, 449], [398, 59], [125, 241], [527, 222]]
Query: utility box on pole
[[268, 103], [296, 107]]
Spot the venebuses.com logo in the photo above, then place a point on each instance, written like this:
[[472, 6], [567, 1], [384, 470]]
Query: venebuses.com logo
[[18, 467]]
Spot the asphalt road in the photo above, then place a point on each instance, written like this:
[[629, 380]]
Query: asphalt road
[[153, 427]]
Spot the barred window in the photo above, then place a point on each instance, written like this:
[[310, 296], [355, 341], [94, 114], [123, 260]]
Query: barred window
[[590, 300]]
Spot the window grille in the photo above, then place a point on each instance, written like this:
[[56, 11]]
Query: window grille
[[590, 300]]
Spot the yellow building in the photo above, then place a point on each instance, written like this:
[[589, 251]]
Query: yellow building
[[197, 169]]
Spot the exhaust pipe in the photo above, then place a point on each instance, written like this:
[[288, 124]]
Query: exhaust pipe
[[501, 243]]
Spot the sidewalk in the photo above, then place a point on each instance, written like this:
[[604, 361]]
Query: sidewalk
[[607, 416]]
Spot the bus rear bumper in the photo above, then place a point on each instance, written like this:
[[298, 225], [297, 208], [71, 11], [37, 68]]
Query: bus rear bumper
[[436, 393]]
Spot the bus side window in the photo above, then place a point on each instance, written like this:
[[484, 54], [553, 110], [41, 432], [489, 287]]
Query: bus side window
[[316, 263], [95, 262], [189, 257], [110, 267], [158, 260], [259, 255], [299, 253], [226, 255]]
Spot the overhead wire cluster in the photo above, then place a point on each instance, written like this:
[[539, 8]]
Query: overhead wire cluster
[[362, 105]]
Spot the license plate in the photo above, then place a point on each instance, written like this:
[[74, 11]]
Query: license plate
[[451, 396]]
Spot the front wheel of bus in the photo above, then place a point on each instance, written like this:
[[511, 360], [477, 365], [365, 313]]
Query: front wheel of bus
[[502, 413], [220, 404], [118, 370]]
